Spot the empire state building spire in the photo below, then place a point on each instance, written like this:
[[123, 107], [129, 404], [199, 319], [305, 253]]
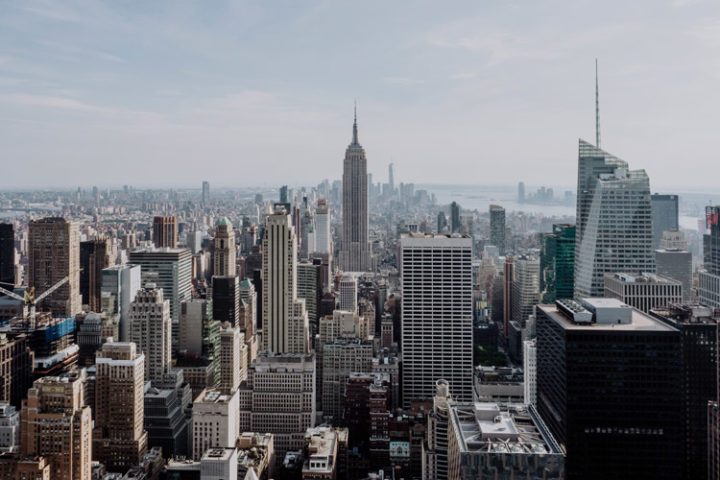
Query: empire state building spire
[[355, 130]]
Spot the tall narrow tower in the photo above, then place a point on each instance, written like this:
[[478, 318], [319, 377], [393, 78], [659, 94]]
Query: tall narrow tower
[[284, 318], [355, 247]]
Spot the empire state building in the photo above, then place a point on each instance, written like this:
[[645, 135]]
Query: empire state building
[[355, 247]]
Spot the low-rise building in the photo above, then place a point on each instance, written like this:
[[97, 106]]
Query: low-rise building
[[643, 291]]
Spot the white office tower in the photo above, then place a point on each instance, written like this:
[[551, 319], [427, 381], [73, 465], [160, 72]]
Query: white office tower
[[224, 253], [348, 293], [9, 429], [355, 244], [530, 372], [279, 398], [120, 283], [323, 239], [233, 359], [614, 220], [285, 320], [150, 330], [214, 421], [436, 314]]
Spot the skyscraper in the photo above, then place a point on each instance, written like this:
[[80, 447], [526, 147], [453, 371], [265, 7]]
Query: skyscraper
[[169, 269], [673, 260], [205, 192], [454, 217], [56, 425], [94, 257], [497, 228], [7, 256], [609, 384], [391, 178], [436, 314], [119, 285], [698, 334], [54, 253], [557, 263], [348, 293], [224, 252], [165, 231], [119, 437], [614, 220], [150, 330], [521, 192], [355, 246], [233, 359], [664, 215], [323, 239], [285, 320], [709, 281], [525, 287]]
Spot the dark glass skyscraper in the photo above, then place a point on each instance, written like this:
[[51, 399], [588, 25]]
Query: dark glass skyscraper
[[609, 388], [7, 256], [698, 334], [557, 263], [454, 217]]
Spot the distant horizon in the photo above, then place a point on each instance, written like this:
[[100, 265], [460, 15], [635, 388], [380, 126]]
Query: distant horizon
[[529, 187]]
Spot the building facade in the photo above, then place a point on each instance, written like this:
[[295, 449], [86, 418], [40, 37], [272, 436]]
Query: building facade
[[285, 320], [119, 436], [53, 254], [355, 240], [614, 220], [436, 314], [610, 420], [643, 291], [150, 330], [56, 425]]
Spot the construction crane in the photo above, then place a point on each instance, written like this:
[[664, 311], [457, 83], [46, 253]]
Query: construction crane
[[30, 300]]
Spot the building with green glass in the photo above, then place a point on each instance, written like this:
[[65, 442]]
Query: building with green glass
[[557, 263]]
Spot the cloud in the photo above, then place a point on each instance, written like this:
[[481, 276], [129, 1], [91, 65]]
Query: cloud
[[46, 101]]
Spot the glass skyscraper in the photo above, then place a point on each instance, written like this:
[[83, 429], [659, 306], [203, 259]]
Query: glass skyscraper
[[614, 220], [557, 263]]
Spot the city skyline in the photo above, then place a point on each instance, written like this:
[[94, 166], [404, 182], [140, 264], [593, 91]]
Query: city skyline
[[241, 84]]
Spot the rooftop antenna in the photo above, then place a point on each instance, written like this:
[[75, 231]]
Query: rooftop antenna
[[597, 107]]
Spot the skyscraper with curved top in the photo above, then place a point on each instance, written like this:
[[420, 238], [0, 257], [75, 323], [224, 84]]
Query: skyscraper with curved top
[[355, 246]]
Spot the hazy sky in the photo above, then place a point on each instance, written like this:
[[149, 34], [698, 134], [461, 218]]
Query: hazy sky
[[240, 93]]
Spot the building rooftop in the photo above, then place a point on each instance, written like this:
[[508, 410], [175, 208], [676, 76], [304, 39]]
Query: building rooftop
[[601, 314], [501, 428], [688, 314], [642, 277]]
